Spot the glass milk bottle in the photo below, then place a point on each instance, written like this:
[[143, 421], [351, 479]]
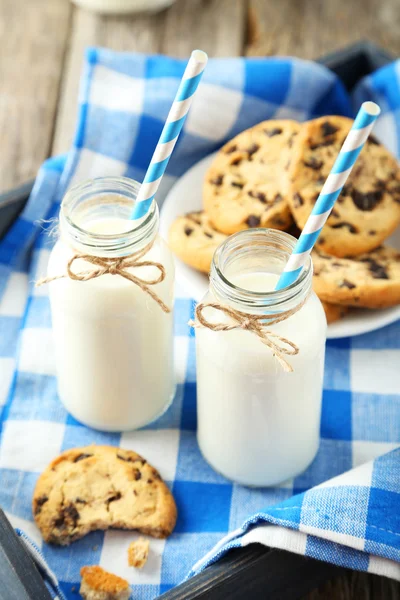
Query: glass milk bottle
[[111, 302], [258, 421]]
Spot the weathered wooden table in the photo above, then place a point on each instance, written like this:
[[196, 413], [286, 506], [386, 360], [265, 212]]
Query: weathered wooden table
[[42, 46]]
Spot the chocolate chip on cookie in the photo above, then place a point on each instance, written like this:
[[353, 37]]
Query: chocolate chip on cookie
[[327, 128], [273, 131], [377, 270], [217, 180], [82, 457], [366, 200], [313, 163], [345, 283], [349, 226], [39, 503], [259, 195], [297, 200], [253, 221], [252, 149], [130, 457], [372, 140]]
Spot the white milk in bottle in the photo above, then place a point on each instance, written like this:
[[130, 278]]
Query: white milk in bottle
[[258, 422], [112, 320]]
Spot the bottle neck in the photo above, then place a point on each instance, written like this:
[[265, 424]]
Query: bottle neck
[[95, 218], [254, 254]]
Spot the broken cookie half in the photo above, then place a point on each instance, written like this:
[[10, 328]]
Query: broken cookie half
[[101, 487]]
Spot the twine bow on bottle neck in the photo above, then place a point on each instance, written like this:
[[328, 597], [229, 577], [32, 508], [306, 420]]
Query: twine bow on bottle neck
[[116, 266], [255, 324]]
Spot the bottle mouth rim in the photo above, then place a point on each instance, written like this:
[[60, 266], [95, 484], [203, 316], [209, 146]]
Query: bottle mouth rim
[[110, 193], [273, 241]]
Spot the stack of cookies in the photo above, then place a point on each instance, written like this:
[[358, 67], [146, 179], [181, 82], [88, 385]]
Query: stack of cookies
[[271, 175]]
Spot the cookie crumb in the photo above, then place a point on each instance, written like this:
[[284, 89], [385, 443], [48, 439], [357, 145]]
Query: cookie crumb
[[138, 553], [98, 584]]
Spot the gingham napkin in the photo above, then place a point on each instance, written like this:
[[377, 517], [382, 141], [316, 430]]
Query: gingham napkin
[[344, 508]]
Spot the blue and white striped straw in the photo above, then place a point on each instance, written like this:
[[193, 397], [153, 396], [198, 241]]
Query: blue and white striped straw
[[170, 133], [344, 163]]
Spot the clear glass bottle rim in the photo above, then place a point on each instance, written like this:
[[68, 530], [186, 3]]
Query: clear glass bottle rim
[[275, 240], [143, 230]]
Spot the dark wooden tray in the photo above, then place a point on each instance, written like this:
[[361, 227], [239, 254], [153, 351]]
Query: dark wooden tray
[[254, 571], [19, 576], [354, 62]]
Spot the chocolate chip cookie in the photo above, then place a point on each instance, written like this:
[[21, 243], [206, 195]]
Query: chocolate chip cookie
[[368, 209], [101, 487], [246, 186], [193, 239], [334, 312], [369, 280]]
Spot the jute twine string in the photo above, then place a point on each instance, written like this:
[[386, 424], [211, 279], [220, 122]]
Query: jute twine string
[[257, 325], [116, 266]]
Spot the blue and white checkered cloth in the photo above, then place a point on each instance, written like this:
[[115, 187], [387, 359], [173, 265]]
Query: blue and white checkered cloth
[[346, 507]]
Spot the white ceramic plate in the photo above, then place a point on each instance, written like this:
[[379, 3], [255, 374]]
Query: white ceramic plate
[[186, 196]]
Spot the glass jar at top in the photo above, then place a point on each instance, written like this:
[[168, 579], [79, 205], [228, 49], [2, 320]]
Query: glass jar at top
[[111, 314], [115, 7], [258, 423]]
